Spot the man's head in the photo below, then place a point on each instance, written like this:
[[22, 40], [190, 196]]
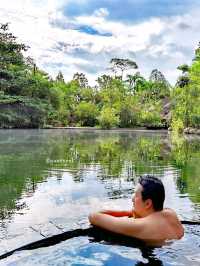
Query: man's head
[[149, 195]]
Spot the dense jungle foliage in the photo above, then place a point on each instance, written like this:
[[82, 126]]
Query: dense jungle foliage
[[30, 98]]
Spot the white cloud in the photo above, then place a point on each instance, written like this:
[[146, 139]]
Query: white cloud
[[101, 12], [155, 43]]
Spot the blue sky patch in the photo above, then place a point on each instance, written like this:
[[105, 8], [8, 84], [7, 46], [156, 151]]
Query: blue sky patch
[[129, 10], [92, 31]]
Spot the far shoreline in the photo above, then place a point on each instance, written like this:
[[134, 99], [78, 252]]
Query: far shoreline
[[189, 132], [137, 129]]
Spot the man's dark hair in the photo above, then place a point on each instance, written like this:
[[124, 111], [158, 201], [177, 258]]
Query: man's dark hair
[[153, 189]]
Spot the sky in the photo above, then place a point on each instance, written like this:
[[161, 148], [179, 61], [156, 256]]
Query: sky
[[84, 35]]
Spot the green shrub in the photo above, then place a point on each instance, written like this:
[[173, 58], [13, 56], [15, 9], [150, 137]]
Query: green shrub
[[108, 118], [128, 117], [177, 125], [151, 118], [86, 114]]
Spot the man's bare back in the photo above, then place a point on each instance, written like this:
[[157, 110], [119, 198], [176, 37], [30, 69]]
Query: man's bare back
[[143, 222]]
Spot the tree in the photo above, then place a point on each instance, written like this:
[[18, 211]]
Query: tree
[[81, 79], [135, 81], [108, 118], [122, 65], [186, 95], [113, 94], [87, 94], [128, 113], [193, 92], [12, 63], [31, 64], [157, 76], [183, 80], [159, 86], [10, 50], [86, 114], [60, 77], [184, 68], [104, 81], [197, 53]]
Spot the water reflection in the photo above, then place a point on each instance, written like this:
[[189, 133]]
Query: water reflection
[[118, 158], [45, 175]]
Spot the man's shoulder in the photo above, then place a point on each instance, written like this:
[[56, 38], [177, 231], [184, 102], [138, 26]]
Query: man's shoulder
[[164, 217], [169, 212], [174, 222]]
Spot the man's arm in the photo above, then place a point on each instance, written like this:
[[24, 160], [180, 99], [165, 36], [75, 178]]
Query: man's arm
[[116, 213], [126, 226]]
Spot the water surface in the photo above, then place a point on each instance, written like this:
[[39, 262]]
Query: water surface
[[50, 177]]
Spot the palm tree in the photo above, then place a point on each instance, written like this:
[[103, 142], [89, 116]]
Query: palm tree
[[134, 81]]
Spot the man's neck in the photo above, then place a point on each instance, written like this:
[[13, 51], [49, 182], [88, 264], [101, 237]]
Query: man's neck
[[148, 212]]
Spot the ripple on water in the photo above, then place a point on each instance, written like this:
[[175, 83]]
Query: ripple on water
[[69, 174], [83, 251]]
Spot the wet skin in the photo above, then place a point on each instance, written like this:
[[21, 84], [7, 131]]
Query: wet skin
[[153, 227]]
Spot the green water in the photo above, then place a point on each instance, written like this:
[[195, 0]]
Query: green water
[[64, 174]]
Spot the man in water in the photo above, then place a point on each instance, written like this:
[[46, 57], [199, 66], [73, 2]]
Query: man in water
[[147, 221]]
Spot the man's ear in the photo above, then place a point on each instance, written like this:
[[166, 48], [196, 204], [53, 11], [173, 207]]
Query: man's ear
[[148, 203]]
